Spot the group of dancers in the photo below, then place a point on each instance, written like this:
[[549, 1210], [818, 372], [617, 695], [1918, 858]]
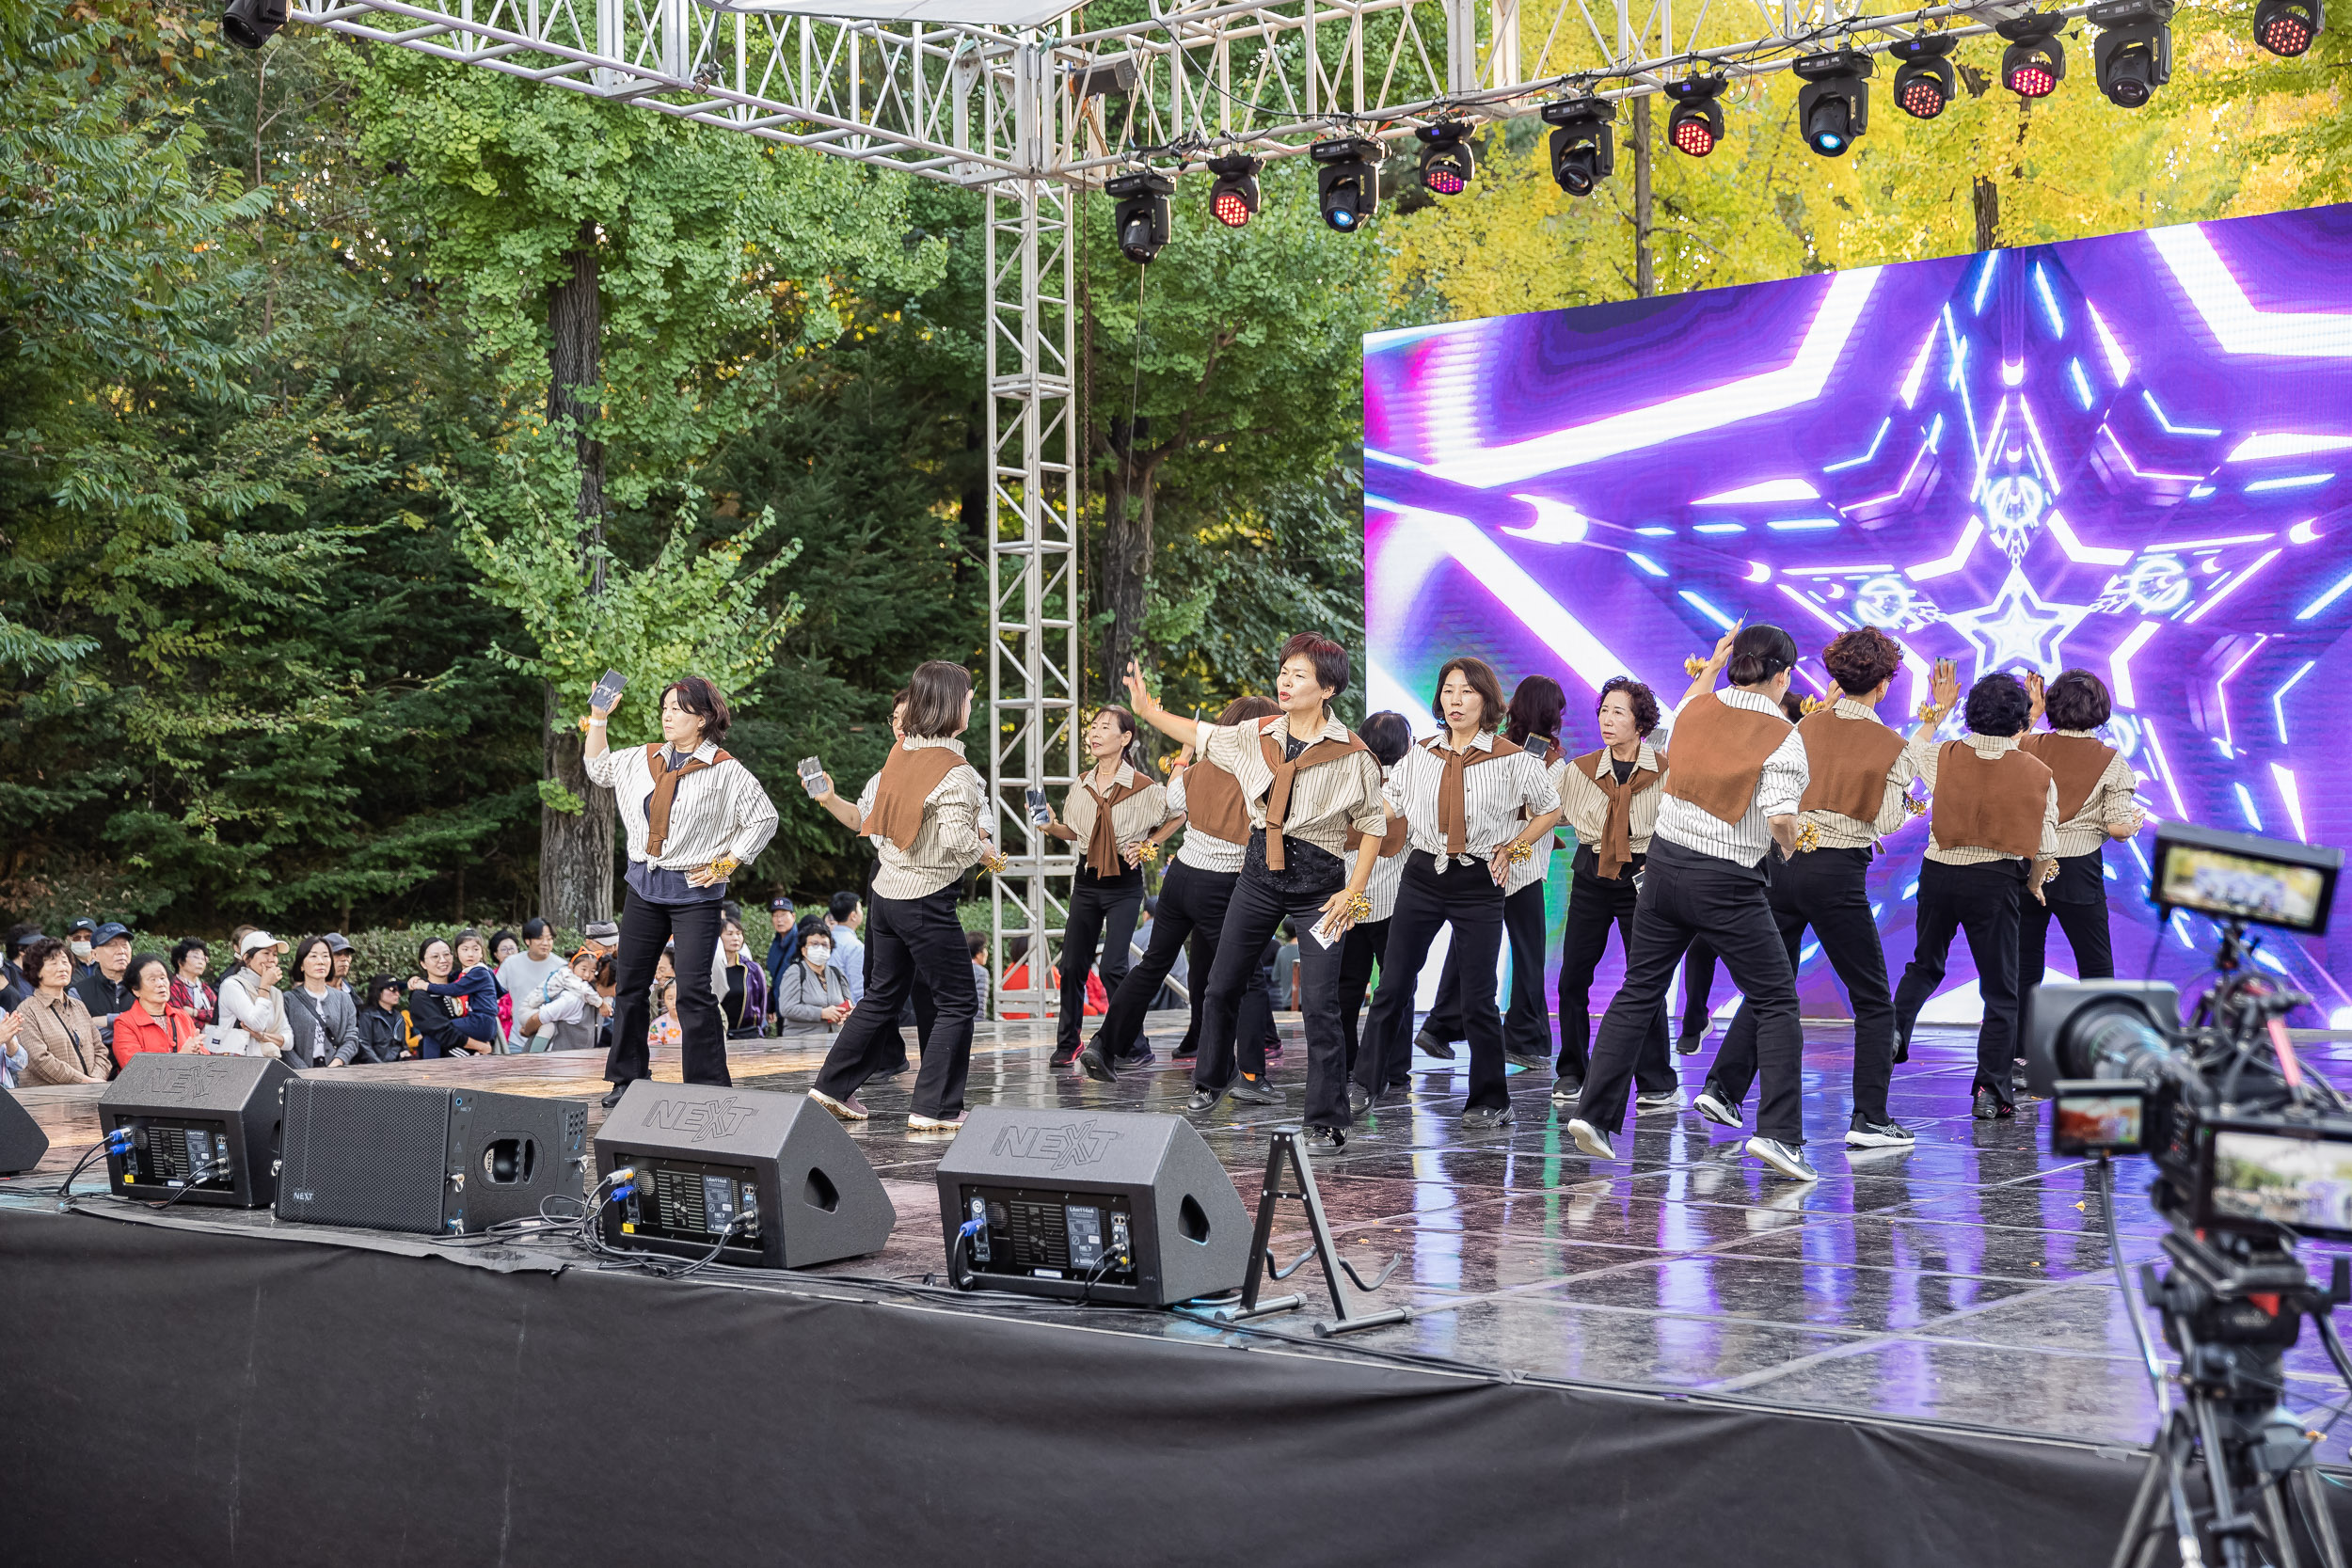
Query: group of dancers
[[1761, 827]]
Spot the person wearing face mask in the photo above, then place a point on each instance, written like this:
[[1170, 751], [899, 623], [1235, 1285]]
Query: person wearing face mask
[[1110, 812], [811, 998], [693, 816], [153, 1021], [252, 1009], [1731, 797], [80, 939], [324, 1022]]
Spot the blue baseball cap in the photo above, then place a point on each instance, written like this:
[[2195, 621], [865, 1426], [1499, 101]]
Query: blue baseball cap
[[108, 933]]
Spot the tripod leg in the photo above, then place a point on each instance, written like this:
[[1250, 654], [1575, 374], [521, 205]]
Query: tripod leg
[[2315, 1513], [2282, 1525], [2140, 1522], [2229, 1523]]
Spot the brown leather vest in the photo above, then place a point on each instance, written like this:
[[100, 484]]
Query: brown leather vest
[[1988, 802], [1850, 759], [2078, 762], [908, 778], [1720, 752]]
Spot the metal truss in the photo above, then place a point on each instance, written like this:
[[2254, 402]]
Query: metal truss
[[1032, 113]]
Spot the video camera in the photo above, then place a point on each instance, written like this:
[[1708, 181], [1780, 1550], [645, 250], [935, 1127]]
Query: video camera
[[2244, 1139]]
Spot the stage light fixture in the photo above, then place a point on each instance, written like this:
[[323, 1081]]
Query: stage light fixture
[[1923, 83], [1447, 165], [1347, 181], [1583, 148], [1697, 122], [1233, 199], [1140, 220], [2035, 61], [1834, 105], [2134, 54], [2288, 26], [250, 23]]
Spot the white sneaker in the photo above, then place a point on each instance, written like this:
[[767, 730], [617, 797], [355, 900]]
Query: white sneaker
[[848, 1110], [1650, 1104], [1591, 1139], [1716, 1108], [1783, 1158]]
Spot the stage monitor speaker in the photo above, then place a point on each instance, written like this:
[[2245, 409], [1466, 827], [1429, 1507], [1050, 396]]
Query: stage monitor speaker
[[203, 1129], [434, 1160], [21, 1142], [1105, 1205], [775, 1174]]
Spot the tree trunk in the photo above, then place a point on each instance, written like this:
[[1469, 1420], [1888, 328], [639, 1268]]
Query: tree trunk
[[1126, 561], [574, 366], [1644, 271], [1985, 196], [575, 848]]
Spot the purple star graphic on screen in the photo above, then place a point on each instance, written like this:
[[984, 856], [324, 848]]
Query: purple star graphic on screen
[[2131, 453]]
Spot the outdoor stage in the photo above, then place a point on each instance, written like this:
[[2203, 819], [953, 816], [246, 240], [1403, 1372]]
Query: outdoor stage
[[1923, 1357]]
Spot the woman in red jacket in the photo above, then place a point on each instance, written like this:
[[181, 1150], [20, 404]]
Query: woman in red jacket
[[156, 1022]]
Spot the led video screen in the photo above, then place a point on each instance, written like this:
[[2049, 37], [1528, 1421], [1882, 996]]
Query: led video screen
[[2130, 453]]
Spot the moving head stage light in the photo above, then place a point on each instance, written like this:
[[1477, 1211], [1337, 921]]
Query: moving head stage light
[[2035, 61], [1583, 150], [2252, 1153], [1697, 122], [1233, 199], [2288, 26], [1834, 108], [1140, 217], [1924, 83], [2134, 54], [1347, 181], [1447, 164]]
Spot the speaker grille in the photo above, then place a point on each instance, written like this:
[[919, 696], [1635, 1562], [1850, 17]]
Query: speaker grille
[[373, 1155]]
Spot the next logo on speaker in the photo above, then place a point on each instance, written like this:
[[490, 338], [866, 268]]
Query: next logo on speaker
[[701, 1119], [1081, 1144]]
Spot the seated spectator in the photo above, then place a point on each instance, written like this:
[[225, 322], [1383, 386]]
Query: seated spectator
[[101, 986], [13, 1057], [80, 937], [843, 917], [153, 1021], [785, 946], [383, 1037], [11, 951], [338, 948], [522, 974], [189, 960], [812, 998], [975, 944], [664, 1029], [1098, 1001], [569, 1005], [59, 1037], [453, 1017], [740, 984], [252, 1009], [325, 1023]]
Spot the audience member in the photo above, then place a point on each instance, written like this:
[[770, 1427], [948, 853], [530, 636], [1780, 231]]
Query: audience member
[[325, 1023], [79, 939], [338, 974], [785, 946], [99, 985], [152, 1022], [523, 975], [740, 984], [11, 970], [189, 960], [12, 1057], [383, 1037], [975, 944], [453, 1017], [564, 1013], [251, 1006], [811, 997], [60, 1040], [842, 921], [664, 1029]]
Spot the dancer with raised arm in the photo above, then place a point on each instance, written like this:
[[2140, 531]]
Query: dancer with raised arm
[[1611, 797], [1992, 838], [1473, 806], [1205, 802], [1111, 811], [1306, 779], [1859, 791], [1732, 794], [2098, 798], [693, 816], [926, 812]]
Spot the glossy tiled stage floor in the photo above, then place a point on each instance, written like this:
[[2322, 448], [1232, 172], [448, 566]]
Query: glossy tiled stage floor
[[1966, 1281]]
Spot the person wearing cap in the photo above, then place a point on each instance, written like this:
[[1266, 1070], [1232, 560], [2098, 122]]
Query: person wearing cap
[[785, 946], [251, 1006], [80, 938], [99, 985], [338, 960]]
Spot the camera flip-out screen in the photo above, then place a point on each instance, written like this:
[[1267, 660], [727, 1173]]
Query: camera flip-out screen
[[2260, 1176], [2239, 876], [2091, 1116]]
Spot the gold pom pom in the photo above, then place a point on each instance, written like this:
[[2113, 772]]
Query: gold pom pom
[[995, 862], [1809, 837], [1147, 852], [1914, 806], [1808, 705], [1693, 665]]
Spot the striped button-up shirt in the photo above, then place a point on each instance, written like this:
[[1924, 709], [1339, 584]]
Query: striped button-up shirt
[[1493, 793], [2115, 798], [1385, 873], [1841, 831], [1586, 802], [1131, 819], [1326, 800], [950, 840], [1200, 850], [1778, 789], [717, 812], [1923, 757]]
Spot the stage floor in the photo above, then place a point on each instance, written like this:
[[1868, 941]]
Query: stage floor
[[1966, 1281]]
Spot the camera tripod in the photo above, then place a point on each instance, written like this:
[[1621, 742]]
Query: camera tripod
[[2230, 1310]]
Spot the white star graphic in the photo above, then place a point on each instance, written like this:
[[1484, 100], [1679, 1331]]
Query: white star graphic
[[2018, 628]]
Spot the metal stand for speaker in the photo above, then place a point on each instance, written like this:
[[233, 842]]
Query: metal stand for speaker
[[1287, 1158]]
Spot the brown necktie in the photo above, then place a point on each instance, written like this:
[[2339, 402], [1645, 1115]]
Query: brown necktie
[[1102, 843], [1452, 800], [665, 780]]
